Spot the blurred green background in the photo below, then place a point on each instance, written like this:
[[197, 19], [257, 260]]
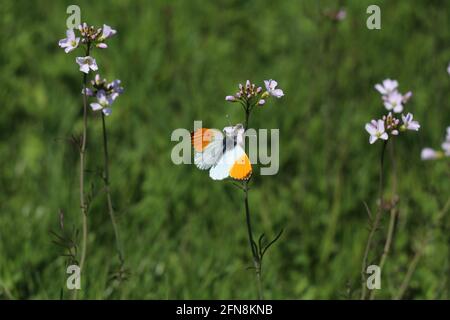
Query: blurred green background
[[184, 235]]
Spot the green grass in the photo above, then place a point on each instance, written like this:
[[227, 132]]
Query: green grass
[[184, 235]]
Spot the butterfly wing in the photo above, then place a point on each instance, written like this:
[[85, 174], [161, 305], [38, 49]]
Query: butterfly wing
[[242, 168], [208, 146], [234, 163]]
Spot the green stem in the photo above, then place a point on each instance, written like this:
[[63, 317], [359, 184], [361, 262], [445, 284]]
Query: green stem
[[256, 258], [108, 193], [393, 217], [374, 225], [83, 204], [82, 164]]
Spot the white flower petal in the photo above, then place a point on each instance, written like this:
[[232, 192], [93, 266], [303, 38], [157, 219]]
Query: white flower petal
[[84, 68], [371, 129], [380, 88], [96, 106], [380, 126], [428, 154]]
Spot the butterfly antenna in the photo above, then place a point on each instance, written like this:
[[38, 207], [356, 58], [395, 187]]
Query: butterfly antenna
[[228, 119]]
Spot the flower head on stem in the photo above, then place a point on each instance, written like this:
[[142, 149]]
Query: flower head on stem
[[389, 125], [249, 96], [385, 128], [106, 93]]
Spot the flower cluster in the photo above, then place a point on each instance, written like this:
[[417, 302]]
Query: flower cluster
[[105, 92], [88, 36], [389, 125], [431, 154], [252, 94], [392, 98]]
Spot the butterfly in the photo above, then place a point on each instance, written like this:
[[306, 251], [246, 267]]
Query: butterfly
[[222, 152]]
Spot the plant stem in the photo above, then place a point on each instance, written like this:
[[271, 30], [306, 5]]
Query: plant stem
[[393, 217], [256, 258], [387, 245], [374, 225], [108, 193], [83, 203]]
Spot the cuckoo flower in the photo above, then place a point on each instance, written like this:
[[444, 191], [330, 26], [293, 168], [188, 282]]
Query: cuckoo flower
[[429, 154], [107, 32], [394, 102], [386, 128], [248, 93], [388, 86], [253, 95], [409, 123], [271, 87], [69, 43], [87, 63], [103, 103], [106, 93], [376, 130]]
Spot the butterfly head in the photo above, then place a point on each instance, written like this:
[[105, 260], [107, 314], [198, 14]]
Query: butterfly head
[[235, 132]]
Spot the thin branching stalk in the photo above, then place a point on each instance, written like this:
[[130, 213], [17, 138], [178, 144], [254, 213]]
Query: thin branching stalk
[[252, 243], [83, 203], [256, 259], [374, 224], [108, 193], [393, 216]]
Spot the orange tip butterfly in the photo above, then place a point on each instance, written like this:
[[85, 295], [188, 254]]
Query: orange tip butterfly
[[222, 152]]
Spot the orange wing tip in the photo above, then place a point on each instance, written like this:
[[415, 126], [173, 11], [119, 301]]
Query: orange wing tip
[[244, 178], [201, 138]]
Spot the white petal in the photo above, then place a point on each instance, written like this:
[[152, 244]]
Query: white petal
[[84, 68], [372, 139], [428, 154], [96, 106], [278, 93], [371, 129], [380, 88], [380, 125], [388, 105], [63, 43], [384, 136], [80, 60], [398, 108]]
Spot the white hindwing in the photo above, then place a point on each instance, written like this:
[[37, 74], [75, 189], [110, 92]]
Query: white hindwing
[[222, 169]]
